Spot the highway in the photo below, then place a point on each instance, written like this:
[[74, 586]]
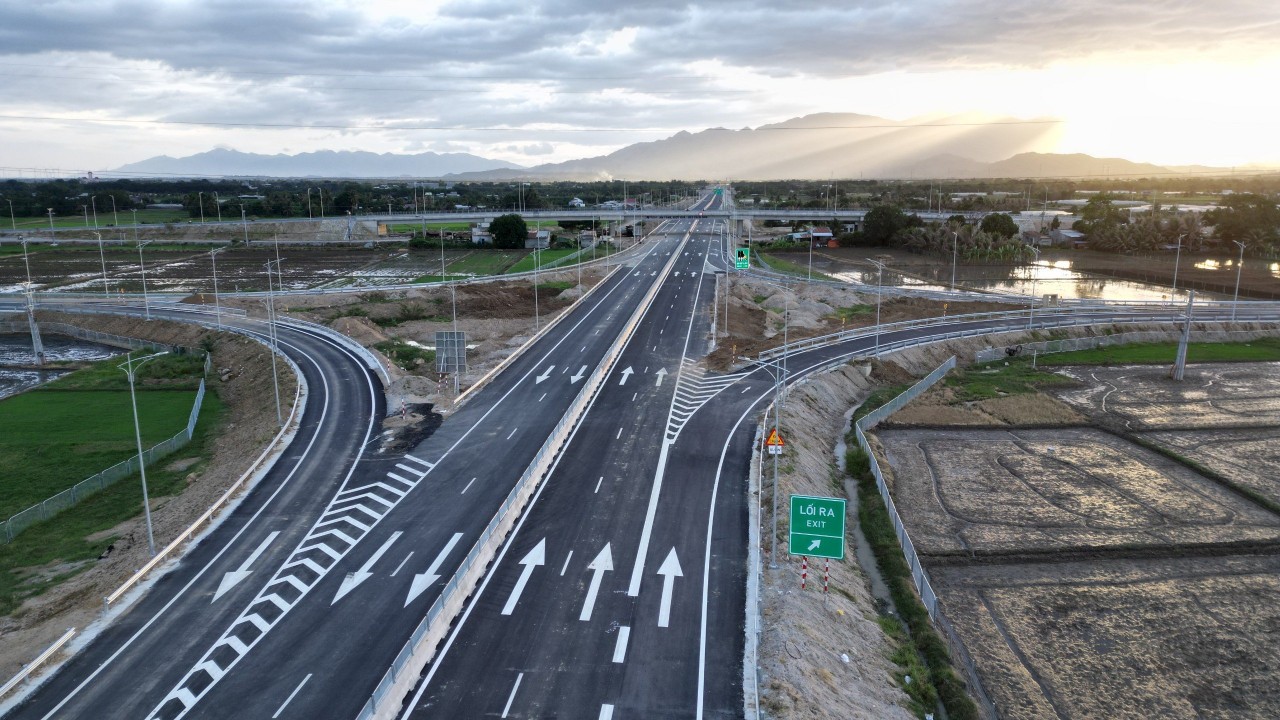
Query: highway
[[318, 584], [620, 593]]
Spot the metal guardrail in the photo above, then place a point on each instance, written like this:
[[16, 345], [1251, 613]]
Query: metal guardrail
[[442, 611], [1256, 312], [77, 493], [34, 665]]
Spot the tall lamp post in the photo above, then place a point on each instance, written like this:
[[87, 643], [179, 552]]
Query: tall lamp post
[[12, 221], [275, 343], [537, 323], [131, 369], [1176, 259], [145, 302], [200, 202], [955, 249], [779, 376], [1239, 266], [217, 204], [103, 257], [1032, 316], [879, 293], [217, 306]]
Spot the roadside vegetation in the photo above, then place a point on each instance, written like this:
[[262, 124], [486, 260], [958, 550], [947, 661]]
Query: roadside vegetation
[[920, 653], [54, 437], [778, 264]]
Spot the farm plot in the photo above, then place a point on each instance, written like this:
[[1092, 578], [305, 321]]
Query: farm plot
[[1019, 491], [1141, 397], [1178, 638], [1249, 457]]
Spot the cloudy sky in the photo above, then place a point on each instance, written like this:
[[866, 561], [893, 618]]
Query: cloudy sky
[[93, 85]]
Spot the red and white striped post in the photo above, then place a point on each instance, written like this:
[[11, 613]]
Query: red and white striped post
[[826, 573], [804, 570]]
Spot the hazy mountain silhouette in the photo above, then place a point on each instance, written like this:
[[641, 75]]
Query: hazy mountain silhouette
[[824, 145], [324, 163]]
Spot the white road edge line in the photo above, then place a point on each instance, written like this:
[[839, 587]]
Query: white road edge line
[[291, 696], [512, 696]]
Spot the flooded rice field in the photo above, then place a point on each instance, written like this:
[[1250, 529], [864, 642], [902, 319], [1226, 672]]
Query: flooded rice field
[[1092, 572], [16, 350]]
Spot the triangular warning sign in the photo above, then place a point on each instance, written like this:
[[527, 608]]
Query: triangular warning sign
[[775, 440]]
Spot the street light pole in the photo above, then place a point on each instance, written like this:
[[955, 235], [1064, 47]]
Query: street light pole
[[115, 214], [200, 202], [537, 323], [217, 204], [1176, 259], [103, 257], [955, 248], [1239, 266], [275, 344], [93, 200], [879, 293], [245, 223], [131, 371], [12, 221], [146, 302], [1032, 316], [217, 307]]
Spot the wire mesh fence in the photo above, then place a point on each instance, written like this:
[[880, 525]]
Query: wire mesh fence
[[918, 574]]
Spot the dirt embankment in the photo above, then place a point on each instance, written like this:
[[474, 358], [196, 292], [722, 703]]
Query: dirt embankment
[[807, 636], [248, 424], [498, 317], [762, 313]]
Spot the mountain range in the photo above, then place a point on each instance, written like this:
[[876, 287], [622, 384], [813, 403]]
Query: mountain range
[[819, 146]]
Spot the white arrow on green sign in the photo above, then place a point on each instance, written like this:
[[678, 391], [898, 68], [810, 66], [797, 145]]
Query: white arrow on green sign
[[742, 259], [817, 527]]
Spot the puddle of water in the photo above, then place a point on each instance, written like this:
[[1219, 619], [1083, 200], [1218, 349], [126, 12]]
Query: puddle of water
[[16, 350]]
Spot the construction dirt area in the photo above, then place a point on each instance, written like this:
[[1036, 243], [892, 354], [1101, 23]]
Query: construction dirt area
[[1112, 549]]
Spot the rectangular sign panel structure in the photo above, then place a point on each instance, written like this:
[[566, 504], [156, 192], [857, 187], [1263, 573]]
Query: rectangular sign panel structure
[[451, 352], [774, 442], [817, 527], [741, 258]]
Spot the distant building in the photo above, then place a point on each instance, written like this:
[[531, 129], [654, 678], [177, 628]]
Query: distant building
[[587, 239], [480, 234], [539, 239], [822, 237]]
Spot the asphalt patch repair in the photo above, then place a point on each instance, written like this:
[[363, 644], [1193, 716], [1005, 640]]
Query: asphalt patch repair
[[1122, 566]]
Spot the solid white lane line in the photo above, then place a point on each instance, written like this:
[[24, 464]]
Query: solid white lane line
[[634, 395], [598, 483], [507, 709], [544, 397], [566, 563], [291, 696], [513, 432], [584, 348], [606, 712], [620, 650], [619, 437], [468, 487], [402, 562]]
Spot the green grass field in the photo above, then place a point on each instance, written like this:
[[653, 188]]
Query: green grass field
[[53, 437], [544, 258], [431, 227], [485, 262], [105, 219], [777, 264], [1264, 350]]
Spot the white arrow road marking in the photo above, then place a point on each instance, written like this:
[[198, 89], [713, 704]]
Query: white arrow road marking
[[537, 556], [582, 372], [669, 571], [662, 373], [626, 374], [234, 577], [815, 544], [422, 581], [545, 374], [353, 580], [602, 564]]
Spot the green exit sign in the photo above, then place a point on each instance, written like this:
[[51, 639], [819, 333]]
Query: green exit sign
[[817, 527], [741, 258]]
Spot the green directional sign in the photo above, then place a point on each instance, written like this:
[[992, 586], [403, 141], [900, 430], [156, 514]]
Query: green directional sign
[[742, 258], [817, 527]]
